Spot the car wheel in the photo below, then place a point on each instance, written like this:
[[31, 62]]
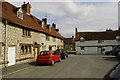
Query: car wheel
[[67, 56], [64, 57], [52, 62]]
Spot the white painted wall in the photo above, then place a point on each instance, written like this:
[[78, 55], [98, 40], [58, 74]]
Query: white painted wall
[[95, 43], [91, 47]]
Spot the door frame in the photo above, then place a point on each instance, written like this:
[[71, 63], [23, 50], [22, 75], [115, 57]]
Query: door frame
[[14, 55]]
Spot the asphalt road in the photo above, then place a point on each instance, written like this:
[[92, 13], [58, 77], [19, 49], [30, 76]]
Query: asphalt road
[[76, 66]]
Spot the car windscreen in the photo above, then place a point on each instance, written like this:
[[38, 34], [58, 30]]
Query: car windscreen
[[44, 53], [60, 51], [53, 52]]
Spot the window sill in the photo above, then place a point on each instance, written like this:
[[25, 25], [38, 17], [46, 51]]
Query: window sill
[[26, 36]]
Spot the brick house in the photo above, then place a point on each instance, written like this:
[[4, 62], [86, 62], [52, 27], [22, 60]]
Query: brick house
[[69, 44], [96, 42], [22, 35]]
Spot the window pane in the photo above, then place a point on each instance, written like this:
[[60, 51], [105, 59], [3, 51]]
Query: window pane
[[22, 49]]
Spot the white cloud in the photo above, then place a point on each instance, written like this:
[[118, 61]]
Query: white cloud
[[48, 7]]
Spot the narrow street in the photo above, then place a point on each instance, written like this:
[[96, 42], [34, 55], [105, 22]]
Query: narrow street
[[76, 66]]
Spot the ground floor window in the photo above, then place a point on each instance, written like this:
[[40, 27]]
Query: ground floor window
[[82, 48], [26, 49]]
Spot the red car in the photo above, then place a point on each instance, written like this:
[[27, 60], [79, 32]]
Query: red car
[[48, 57]]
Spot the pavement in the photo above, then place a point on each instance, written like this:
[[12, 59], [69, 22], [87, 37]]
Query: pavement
[[16, 68]]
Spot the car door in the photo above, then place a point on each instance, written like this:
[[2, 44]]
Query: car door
[[57, 55], [53, 55]]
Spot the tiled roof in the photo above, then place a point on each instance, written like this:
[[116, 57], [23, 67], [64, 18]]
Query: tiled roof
[[68, 40], [29, 21], [106, 35]]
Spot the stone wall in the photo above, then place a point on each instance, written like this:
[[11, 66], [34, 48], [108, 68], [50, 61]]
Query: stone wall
[[15, 38]]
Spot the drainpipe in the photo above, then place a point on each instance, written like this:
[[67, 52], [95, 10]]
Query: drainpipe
[[5, 41]]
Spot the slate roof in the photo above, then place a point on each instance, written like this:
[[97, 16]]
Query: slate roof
[[29, 21], [106, 35]]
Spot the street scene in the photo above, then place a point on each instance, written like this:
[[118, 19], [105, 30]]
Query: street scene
[[76, 66], [73, 39]]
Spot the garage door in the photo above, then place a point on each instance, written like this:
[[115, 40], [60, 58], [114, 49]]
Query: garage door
[[11, 56]]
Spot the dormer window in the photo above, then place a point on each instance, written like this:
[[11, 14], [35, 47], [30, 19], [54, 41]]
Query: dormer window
[[20, 14]]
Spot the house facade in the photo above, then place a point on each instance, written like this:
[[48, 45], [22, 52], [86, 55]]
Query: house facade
[[22, 35], [96, 42], [69, 44]]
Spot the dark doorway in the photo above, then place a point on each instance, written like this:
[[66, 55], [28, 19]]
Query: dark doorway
[[50, 48]]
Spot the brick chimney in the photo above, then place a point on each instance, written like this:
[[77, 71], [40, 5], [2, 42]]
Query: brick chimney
[[45, 20], [26, 7], [75, 33], [48, 26], [75, 30], [54, 25]]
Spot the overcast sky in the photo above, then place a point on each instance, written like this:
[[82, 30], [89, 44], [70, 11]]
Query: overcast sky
[[86, 15]]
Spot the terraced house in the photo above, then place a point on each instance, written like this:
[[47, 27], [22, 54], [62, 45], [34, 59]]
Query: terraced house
[[22, 35], [96, 42]]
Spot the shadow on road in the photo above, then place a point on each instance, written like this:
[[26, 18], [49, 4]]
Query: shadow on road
[[111, 58], [34, 64]]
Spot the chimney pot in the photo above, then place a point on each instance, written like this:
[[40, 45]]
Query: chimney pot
[[75, 29], [24, 2], [54, 25], [45, 20]]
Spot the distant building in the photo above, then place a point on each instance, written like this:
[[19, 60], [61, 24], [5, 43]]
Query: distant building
[[96, 42], [22, 35], [69, 44]]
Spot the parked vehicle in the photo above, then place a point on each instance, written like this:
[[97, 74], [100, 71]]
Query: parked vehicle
[[115, 52], [108, 52], [63, 54], [114, 73], [48, 57]]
